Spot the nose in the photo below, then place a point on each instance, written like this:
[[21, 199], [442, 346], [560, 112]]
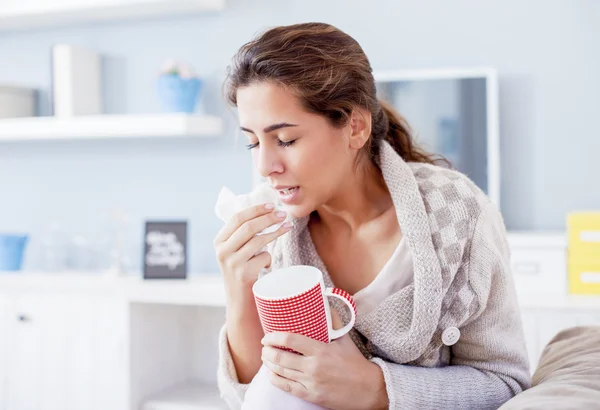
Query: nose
[[268, 161]]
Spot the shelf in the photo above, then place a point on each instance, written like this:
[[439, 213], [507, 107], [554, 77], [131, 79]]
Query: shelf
[[559, 302], [18, 14], [109, 126], [207, 289], [537, 239], [187, 397], [196, 290]]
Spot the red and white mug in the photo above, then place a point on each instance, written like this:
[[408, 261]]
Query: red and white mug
[[294, 300]]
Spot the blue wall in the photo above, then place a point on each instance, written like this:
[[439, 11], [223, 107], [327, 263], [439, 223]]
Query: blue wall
[[549, 88]]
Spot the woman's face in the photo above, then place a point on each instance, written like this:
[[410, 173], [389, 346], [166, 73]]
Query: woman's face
[[299, 153]]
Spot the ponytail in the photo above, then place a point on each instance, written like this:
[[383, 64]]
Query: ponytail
[[393, 128]]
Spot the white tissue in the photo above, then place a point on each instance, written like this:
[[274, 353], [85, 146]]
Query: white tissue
[[228, 204]]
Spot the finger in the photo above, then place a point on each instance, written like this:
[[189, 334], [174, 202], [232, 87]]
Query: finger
[[299, 343], [284, 359], [335, 319], [260, 261], [292, 375], [240, 218], [260, 241], [287, 385], [250, 228]]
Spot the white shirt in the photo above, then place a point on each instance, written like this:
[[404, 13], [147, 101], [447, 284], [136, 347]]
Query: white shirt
[[396, 274]]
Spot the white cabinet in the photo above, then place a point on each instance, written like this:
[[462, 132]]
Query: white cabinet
[[28, 367], [58, 354], [108, 325], [31, 369], [78, 342], [5, 302]]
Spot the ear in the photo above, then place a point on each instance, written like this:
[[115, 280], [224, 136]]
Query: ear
[[360, 124]]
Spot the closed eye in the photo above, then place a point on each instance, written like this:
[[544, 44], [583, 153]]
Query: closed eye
[[279, 142], [285, 143]]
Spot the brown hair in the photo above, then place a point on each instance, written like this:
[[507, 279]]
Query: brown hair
[[330, 73]]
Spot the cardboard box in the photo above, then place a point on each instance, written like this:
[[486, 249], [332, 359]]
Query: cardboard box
[[584, 252], [16, 102]]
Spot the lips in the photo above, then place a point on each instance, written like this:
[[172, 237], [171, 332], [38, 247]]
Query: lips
[[288, 191], [288, 194]]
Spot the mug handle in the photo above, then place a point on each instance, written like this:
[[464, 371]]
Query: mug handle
[[347, 299]]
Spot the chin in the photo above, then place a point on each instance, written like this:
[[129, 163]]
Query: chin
[[302, 205], [299, 211]]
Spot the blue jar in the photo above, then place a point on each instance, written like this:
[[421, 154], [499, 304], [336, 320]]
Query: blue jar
[[12, 248], [178, 94]]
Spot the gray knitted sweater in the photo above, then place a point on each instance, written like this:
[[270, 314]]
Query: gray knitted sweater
[[462, 279]]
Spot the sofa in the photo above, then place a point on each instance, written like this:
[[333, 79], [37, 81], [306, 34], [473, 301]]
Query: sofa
[[568, 374]]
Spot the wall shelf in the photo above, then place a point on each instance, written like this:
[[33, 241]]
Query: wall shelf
[[206, 289], [17, 14], [109, 126], [559, 302]]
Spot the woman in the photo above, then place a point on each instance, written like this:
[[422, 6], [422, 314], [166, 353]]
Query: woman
[[420, 247]]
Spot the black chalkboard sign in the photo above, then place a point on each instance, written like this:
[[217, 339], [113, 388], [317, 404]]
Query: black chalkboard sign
[[165, 250]]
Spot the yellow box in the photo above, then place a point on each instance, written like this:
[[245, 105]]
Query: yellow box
[[584, 234], [584, 276]]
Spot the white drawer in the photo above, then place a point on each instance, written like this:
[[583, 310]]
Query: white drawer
[[539, 271]]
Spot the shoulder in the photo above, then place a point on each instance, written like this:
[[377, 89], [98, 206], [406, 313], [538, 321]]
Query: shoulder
[[448, 195]]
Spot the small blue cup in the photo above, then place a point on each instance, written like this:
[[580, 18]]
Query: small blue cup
[[178, 94], [12, 248]]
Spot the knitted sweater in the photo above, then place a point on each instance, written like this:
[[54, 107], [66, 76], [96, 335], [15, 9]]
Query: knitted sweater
[[462, 279]]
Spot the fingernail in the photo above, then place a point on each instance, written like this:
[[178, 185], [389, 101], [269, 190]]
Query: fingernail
[[280, 214], [287, 224], [269, 206]]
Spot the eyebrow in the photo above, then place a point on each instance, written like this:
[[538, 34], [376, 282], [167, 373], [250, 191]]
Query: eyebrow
[[271, 128]]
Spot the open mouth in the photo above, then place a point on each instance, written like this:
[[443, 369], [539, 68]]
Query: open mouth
[[289, 191], [288, 195]]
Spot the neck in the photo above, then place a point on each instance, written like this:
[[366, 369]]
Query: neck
[[361, 197]]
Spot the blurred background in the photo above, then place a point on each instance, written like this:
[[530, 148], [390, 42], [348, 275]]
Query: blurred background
[[113, 130]]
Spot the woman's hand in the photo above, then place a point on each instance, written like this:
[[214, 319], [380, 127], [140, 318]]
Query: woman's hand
[[237, 245], [334, 375]]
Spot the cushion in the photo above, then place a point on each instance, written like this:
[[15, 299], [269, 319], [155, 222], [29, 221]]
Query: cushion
[[568, 374]]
